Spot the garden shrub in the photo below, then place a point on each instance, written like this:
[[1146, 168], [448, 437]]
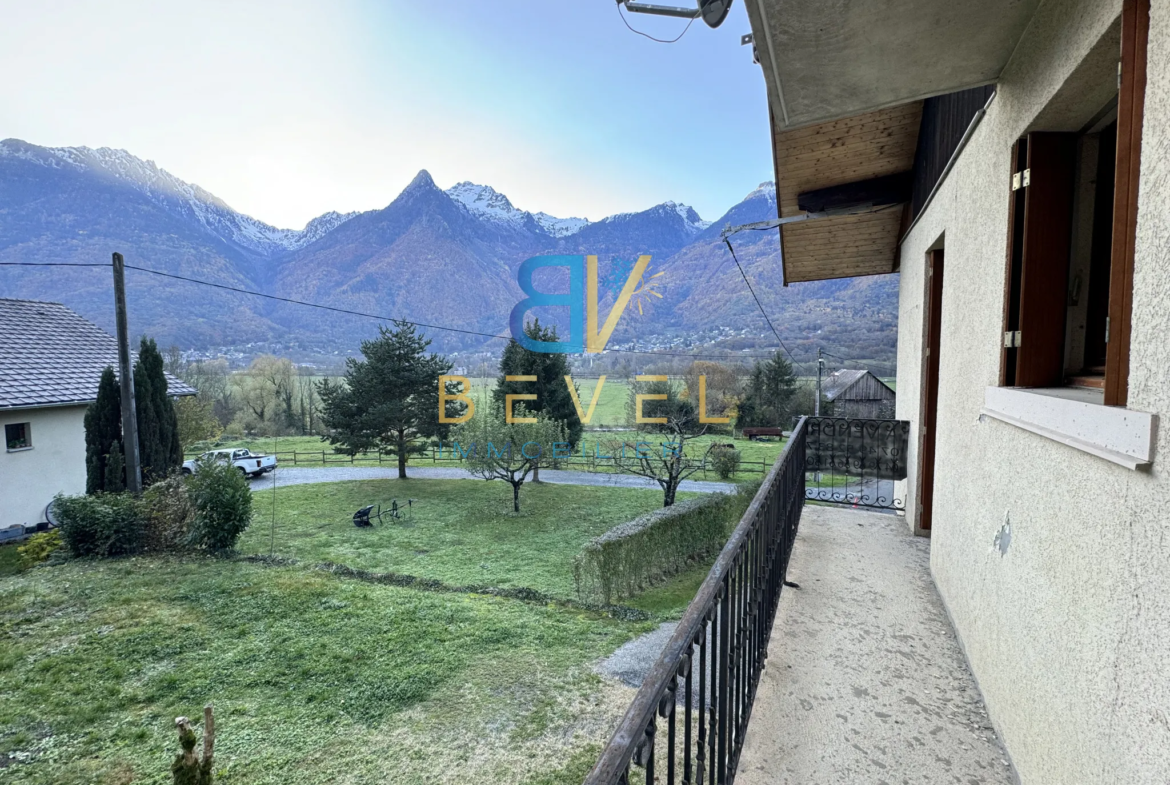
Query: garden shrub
[[105, 524], [222, 501], [170, 514], [630, 557], [725, 461], [38, 548]]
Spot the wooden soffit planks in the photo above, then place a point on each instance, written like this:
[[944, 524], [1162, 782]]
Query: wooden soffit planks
[[842, 151]]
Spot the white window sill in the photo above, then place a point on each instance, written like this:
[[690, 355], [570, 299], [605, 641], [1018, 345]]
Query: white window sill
[[1076, 417], [19, 449]]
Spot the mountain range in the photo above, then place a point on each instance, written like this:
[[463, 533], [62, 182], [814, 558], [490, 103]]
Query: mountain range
[[440, 257]]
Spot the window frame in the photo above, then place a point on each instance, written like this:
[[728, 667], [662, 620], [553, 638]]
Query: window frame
[[1029, 357], [1135, 28], [28, 442]]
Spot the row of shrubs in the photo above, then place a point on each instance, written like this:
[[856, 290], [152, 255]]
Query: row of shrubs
[[631, 557], [208, 510]]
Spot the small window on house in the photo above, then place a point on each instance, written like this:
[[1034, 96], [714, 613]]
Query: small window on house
[[18, 436], [1071, 241]]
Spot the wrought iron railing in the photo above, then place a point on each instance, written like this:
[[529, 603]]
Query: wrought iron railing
[[704, 683], [857, 462]]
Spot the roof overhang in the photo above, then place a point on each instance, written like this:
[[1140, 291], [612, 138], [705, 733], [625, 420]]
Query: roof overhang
[[828, 59], [845, 82]]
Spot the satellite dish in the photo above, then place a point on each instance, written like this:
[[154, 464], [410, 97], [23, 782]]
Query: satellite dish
[[714, 11]]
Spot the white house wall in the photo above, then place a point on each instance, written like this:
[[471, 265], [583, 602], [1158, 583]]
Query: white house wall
[[1054, 564], [29, 479]]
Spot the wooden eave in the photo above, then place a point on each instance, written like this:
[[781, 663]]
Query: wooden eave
[[849, 150]]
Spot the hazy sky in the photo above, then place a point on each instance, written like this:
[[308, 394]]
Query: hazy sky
[[289, 109]]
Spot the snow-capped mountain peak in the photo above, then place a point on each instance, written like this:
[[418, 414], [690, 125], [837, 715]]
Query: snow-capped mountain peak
[[689, 216], [560, 227], [765, 190], [486, 202], [176, 195]]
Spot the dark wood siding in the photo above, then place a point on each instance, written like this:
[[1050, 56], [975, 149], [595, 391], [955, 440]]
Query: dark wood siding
[[944, 120], [866, 399]]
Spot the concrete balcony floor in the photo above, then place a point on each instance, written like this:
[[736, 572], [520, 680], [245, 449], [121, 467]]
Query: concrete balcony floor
[[865, 681]]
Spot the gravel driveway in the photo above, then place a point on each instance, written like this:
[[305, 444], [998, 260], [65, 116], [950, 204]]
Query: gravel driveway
[[305, 476]]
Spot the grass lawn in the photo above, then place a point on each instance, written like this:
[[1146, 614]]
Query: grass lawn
[[318, 678], [314, 678], [9, 560], [461, 532]]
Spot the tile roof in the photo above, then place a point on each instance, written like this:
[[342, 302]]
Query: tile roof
[[50, 356]]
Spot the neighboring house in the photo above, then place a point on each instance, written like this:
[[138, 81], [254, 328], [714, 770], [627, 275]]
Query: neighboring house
[[1011, 160], [51, 360], [859, 395]]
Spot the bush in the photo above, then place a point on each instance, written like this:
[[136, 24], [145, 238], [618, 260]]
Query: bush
[[725, 461], [170, 514], [630, 557], [105, 524], [38, 547], [222, 501]]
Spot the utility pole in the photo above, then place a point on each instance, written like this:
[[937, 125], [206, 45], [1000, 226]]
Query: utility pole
[[126, 377], [820, 367]]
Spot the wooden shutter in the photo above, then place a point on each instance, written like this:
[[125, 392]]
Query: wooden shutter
[[1135, 26], [1039, 245]]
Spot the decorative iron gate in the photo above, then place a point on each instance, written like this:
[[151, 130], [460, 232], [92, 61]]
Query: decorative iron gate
[[704, 683], [856, 462]]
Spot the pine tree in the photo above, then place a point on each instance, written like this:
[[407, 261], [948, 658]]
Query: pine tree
[[768, 400], [159, 449], [103, 435], [390, 400], [551, 390]]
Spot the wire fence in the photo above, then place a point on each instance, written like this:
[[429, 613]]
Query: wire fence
[[449, 457]]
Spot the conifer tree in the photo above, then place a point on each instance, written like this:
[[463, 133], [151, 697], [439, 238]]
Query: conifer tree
[[159, 449], [103, 436], [115, 479], [768, 399], [552, 394], [390, 400]]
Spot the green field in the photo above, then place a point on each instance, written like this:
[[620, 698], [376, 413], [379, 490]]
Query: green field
[[461, 532]]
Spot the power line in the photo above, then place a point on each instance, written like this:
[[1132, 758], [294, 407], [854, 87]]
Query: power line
[[729, 355], [53, 264], [647, 35], [758, 303]]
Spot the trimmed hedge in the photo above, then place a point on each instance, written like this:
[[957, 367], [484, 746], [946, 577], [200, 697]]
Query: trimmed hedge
[[636, 554]]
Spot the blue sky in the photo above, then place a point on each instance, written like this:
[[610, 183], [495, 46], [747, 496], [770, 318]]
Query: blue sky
[[288, 109]]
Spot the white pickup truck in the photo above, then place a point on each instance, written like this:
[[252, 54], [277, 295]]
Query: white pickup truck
[[251, 465]]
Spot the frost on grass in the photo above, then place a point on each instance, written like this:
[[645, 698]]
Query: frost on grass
[[552, 726]]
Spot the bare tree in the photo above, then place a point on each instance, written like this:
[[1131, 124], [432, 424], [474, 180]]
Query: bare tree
[[495, 449], [666, 461]]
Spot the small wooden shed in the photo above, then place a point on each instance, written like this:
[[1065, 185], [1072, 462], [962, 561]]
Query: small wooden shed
[[858, 395]]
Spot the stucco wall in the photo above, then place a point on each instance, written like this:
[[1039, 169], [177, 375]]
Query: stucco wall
[[1068, 628], [56, 463]]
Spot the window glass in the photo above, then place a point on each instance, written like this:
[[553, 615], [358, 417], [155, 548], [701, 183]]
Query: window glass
[[17, 436]]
